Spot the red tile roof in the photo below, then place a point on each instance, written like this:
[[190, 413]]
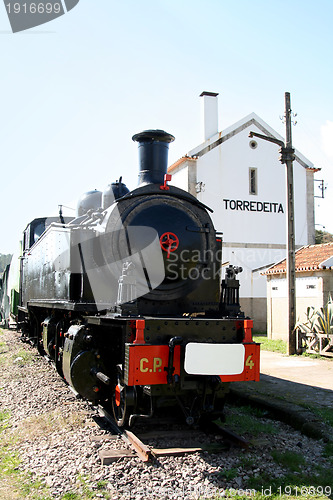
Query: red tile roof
[[180, 161], [307, 258]]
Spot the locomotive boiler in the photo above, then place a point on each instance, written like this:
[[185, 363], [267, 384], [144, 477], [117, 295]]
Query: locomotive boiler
[[128, 301]]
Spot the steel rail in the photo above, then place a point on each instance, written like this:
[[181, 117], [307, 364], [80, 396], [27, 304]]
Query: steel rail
[[143, 451]]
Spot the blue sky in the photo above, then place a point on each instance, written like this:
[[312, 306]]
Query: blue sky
[[75, 90]]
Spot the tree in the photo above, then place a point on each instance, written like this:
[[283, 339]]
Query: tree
[[323, 236]]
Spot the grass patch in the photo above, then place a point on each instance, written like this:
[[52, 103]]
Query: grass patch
[[246, 462], [101, 484], [289, 459], [85, 487], [9, 462], [22, 357], [35, 490], [326, 414], [229, 474], [270, 344], [245, 419], [38, 426], [87, 490], [281, 346], [328, 452], [3, 352], [313, 356], [250, 493], [71, 496], [293, 485], [253, 411], [4, 420], [15, 484]]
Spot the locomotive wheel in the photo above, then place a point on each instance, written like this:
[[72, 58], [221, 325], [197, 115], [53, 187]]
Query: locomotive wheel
[[35, 335], [51, 349], [123, 403]]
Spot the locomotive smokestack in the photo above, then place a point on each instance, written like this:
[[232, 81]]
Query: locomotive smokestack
[[153, 155]]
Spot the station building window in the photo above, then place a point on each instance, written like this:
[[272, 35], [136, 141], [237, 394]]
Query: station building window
[[253, 180]]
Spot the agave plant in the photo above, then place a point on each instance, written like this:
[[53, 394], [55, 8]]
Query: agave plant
[[311, 325], [318, 320], [325, 317]]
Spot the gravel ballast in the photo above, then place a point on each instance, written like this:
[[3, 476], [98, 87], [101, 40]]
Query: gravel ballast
[[51, 431]]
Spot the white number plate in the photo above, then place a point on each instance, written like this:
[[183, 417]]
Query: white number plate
[[214, 359]]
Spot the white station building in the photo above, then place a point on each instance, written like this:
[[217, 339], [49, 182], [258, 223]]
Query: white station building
[[243, 181]]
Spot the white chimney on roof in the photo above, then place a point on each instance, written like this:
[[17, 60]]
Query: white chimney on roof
[[209, 114]]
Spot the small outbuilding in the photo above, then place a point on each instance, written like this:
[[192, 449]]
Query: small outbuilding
[[314, 283]]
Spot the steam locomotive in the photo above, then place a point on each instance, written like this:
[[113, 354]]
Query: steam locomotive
[[127, 298]]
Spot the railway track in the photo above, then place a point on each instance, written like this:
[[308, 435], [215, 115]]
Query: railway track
[[59, 444], [199, 440], [148, 453]]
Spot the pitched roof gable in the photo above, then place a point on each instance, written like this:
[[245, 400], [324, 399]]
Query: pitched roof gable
[[236, 128]]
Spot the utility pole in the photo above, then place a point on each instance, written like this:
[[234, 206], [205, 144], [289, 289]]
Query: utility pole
[[287, 157]]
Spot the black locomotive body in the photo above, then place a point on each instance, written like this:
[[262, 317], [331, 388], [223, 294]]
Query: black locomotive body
[[128, 301]]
